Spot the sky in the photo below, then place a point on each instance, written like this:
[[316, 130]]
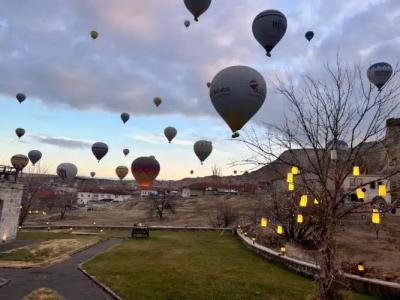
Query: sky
[[77, 87]]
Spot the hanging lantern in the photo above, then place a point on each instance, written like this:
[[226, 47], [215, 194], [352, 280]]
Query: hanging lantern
[[279, 229], [289, 178], [283, 250], [316, 202], [303, 201], [291, 187], [299, 218], [382, 190], [295, 170], [264, 222], [376, 218], [356, 171], [360, 194], [333, 155], [361, 267]]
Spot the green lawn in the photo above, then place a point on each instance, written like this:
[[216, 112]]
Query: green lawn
[[179, 265]]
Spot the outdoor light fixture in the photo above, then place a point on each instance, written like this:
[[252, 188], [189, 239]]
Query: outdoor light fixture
[[291, 187], [254, 240], [47, 223], [316, 202], [382, 190], [360, 194], [4, 238], [48, 228], [264, 222], [283, 250], [376, 219], [303, 201], [295, 170], [356, 171], [299, 218], [94, 223], [289, 178], [279, 229], [361, 268]]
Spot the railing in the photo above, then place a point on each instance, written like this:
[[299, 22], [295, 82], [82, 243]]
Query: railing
[[6, 172]]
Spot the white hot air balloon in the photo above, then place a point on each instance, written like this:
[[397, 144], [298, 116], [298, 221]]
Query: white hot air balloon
[[237, 93], [67, 171], [379, 73], [269, 27]]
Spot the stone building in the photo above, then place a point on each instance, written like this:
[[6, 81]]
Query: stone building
[[392, 144], [10, 202]]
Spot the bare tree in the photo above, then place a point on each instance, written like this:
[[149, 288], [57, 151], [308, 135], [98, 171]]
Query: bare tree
[[223, 216], [160, 204], [216, 171], [344, 107]]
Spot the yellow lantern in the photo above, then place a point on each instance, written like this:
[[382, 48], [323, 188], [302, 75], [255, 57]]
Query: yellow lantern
[[360, 194], [295, 170], [382, 190], [361, 267], [279, 229], [376, 219], [283, 250], [291, 187], [356, 171], [264, 222], [299, 218], [303, 201], [289, 177], [316, 202]]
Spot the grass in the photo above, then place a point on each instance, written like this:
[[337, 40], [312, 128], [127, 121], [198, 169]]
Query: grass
[[181, 265], [43, 235], [43, 294]]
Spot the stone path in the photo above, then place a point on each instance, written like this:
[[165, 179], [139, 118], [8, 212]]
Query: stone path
[[65, 278]]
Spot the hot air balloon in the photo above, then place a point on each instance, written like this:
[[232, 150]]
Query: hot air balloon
[[145, 169], [92, 174], [170, 133], [20, 97], [19, 161], [237, 93], [309, 35], [197, 7], [379, 73], [121, 172], [125, 151], [34, 156], [67, 171], [94, 34], [191, 172], [208, 84], [235, 172], [202, 149], [268, 28], [186, 23], [125, 117], [19, 132], [157, 101], [99, 150]]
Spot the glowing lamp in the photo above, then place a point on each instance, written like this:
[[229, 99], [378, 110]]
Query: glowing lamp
[[47, 223], [254, 240], [382, 190], [361, 267], [71, 229], [289, 178], [94, 223], [279, 229], [30, 212], [101, 230], [376, 219], [19, 227], [283, 250], [264, 222], [4, 238], [295, 170], [360, 194], [303, 201], [36, 211], [316, 202], [291, 187], [299, 218], [356, 171]]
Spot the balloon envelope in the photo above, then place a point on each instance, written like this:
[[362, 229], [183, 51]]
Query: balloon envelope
[[19, 132], [191, 171], [269, 27], [94, 34], [157, 101], [20, 97], [202, 149], [379, 73], [19, 161], [170, 133], [237, 93], [121, 172], [34, 156], [99, 150], [92, 174], [125, 151], [197, 7], [187, 23], [125, 117], [67, 171], [309, 35], [145, 169]]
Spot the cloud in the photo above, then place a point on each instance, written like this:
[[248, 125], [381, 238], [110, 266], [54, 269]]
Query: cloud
[[158, 139], [62, 142]]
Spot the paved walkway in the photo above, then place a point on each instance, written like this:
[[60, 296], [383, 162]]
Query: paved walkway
[[64, 277]]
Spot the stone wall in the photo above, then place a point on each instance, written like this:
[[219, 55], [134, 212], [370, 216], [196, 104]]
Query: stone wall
[[392, 142], [10, 198]]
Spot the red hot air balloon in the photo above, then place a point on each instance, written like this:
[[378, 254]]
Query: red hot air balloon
[[145, 169]]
